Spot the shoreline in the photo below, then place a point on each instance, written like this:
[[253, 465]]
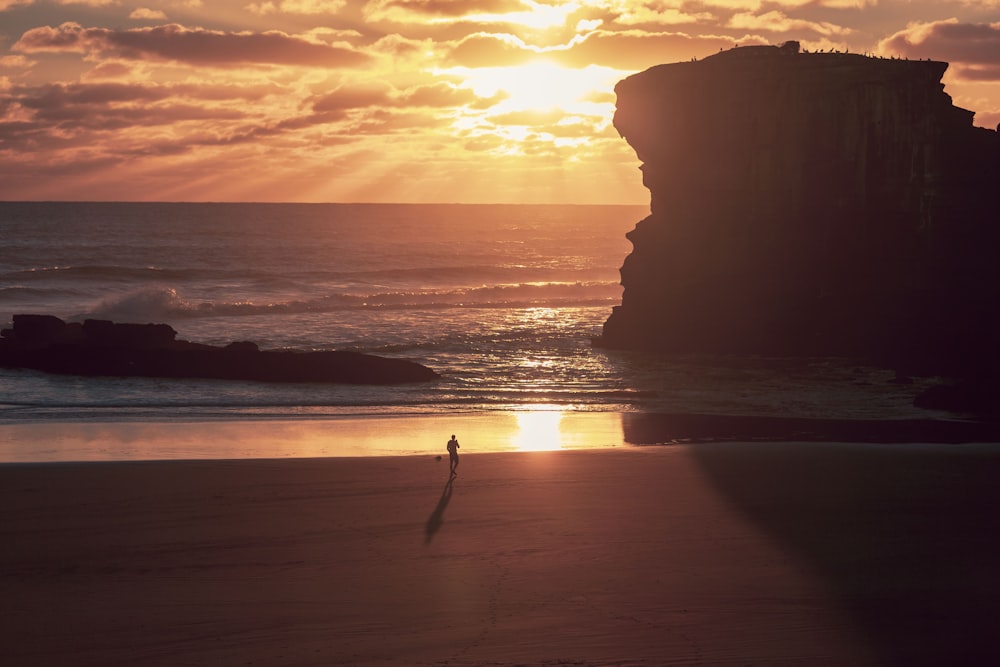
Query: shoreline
[[542, 428], [356, 436], [736, 553]]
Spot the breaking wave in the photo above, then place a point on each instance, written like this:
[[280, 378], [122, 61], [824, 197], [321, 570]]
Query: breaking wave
[[166, 303]]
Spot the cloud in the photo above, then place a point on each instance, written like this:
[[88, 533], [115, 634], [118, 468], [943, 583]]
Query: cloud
[[326, 34], [422, 11], [346, 98], [484, 142], [108, 70], [337, 104], [401, 49], [576, 128], [529, 14], [775, 21], [979, 73], [530, 117], [152, 14], [14, 62], [643, 14], [638, 49], [8, 4], [297, 7], [990, 4], [491, 50], [438, 95], [755, 5], [53, 115], [623, 49], [58, 96], [386, 121], [195, 46], [965, 44]]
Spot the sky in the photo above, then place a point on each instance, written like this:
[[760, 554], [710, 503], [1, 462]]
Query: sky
[[471, 101]]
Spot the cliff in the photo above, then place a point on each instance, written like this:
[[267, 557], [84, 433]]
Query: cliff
[[103, 348], [810, 203]]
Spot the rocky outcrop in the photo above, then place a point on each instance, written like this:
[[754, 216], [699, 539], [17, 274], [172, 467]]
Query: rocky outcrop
[[811, 203], [103, 348]]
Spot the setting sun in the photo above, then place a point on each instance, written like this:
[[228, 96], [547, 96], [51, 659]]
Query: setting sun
[[543, 86]]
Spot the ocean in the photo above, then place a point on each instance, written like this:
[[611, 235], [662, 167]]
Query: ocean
[[501, 300]]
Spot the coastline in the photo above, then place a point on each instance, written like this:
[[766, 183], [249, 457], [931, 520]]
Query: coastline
[[529, 428], [364, 435], [741, 553]]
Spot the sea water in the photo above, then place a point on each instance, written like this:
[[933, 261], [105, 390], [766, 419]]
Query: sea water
[[501, 300]]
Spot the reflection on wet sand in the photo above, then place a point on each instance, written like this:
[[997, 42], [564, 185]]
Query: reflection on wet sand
[[538, 430], [366, 435]]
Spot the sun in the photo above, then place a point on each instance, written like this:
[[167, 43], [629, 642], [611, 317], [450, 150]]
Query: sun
[[541, 86]]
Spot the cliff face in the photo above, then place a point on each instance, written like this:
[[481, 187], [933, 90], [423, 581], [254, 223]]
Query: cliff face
[[809, 203]]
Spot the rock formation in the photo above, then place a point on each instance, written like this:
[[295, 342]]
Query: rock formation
[[103, 348], [811, 203]]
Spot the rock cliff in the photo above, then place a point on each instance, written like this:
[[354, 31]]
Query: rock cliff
[[104, 348], [810, 203]]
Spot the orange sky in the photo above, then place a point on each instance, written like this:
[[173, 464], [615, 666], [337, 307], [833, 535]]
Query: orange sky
[[394, 100]]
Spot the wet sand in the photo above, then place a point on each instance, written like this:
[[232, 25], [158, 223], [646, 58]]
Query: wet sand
[[713, 554]]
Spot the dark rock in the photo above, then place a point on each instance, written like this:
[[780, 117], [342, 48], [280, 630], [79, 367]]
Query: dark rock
[[41, 330], [242, 347], [104, 348], [811, 203], [105, 332]]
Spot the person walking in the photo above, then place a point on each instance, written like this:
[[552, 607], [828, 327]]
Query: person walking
[[453, 454]]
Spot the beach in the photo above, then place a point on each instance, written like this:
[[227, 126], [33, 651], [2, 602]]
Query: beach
[[740, 553]]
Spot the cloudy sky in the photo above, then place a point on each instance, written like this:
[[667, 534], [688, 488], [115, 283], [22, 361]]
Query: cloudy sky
[[394, 100]]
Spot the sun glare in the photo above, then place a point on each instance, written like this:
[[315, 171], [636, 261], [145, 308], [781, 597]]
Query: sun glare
[[538, 430], [539, 86]]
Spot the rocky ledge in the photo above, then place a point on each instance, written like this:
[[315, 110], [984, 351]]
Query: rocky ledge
[[105, 348], [811, 204]]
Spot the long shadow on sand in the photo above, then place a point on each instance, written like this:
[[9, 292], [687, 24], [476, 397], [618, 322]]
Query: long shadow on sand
[[906, 536], [437, 516]]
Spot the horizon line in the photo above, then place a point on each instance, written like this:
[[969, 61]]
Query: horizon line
[[313, 203]]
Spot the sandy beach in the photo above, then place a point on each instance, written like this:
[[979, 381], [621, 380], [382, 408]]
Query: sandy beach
[[711, 554]]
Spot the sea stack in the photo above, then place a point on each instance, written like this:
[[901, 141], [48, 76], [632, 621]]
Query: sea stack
[[811, 203]]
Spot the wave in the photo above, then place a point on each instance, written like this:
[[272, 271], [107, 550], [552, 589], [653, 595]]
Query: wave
[[293, 400], [156, 302]]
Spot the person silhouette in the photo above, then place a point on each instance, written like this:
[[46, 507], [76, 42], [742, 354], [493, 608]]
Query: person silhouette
[[453, 454]]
